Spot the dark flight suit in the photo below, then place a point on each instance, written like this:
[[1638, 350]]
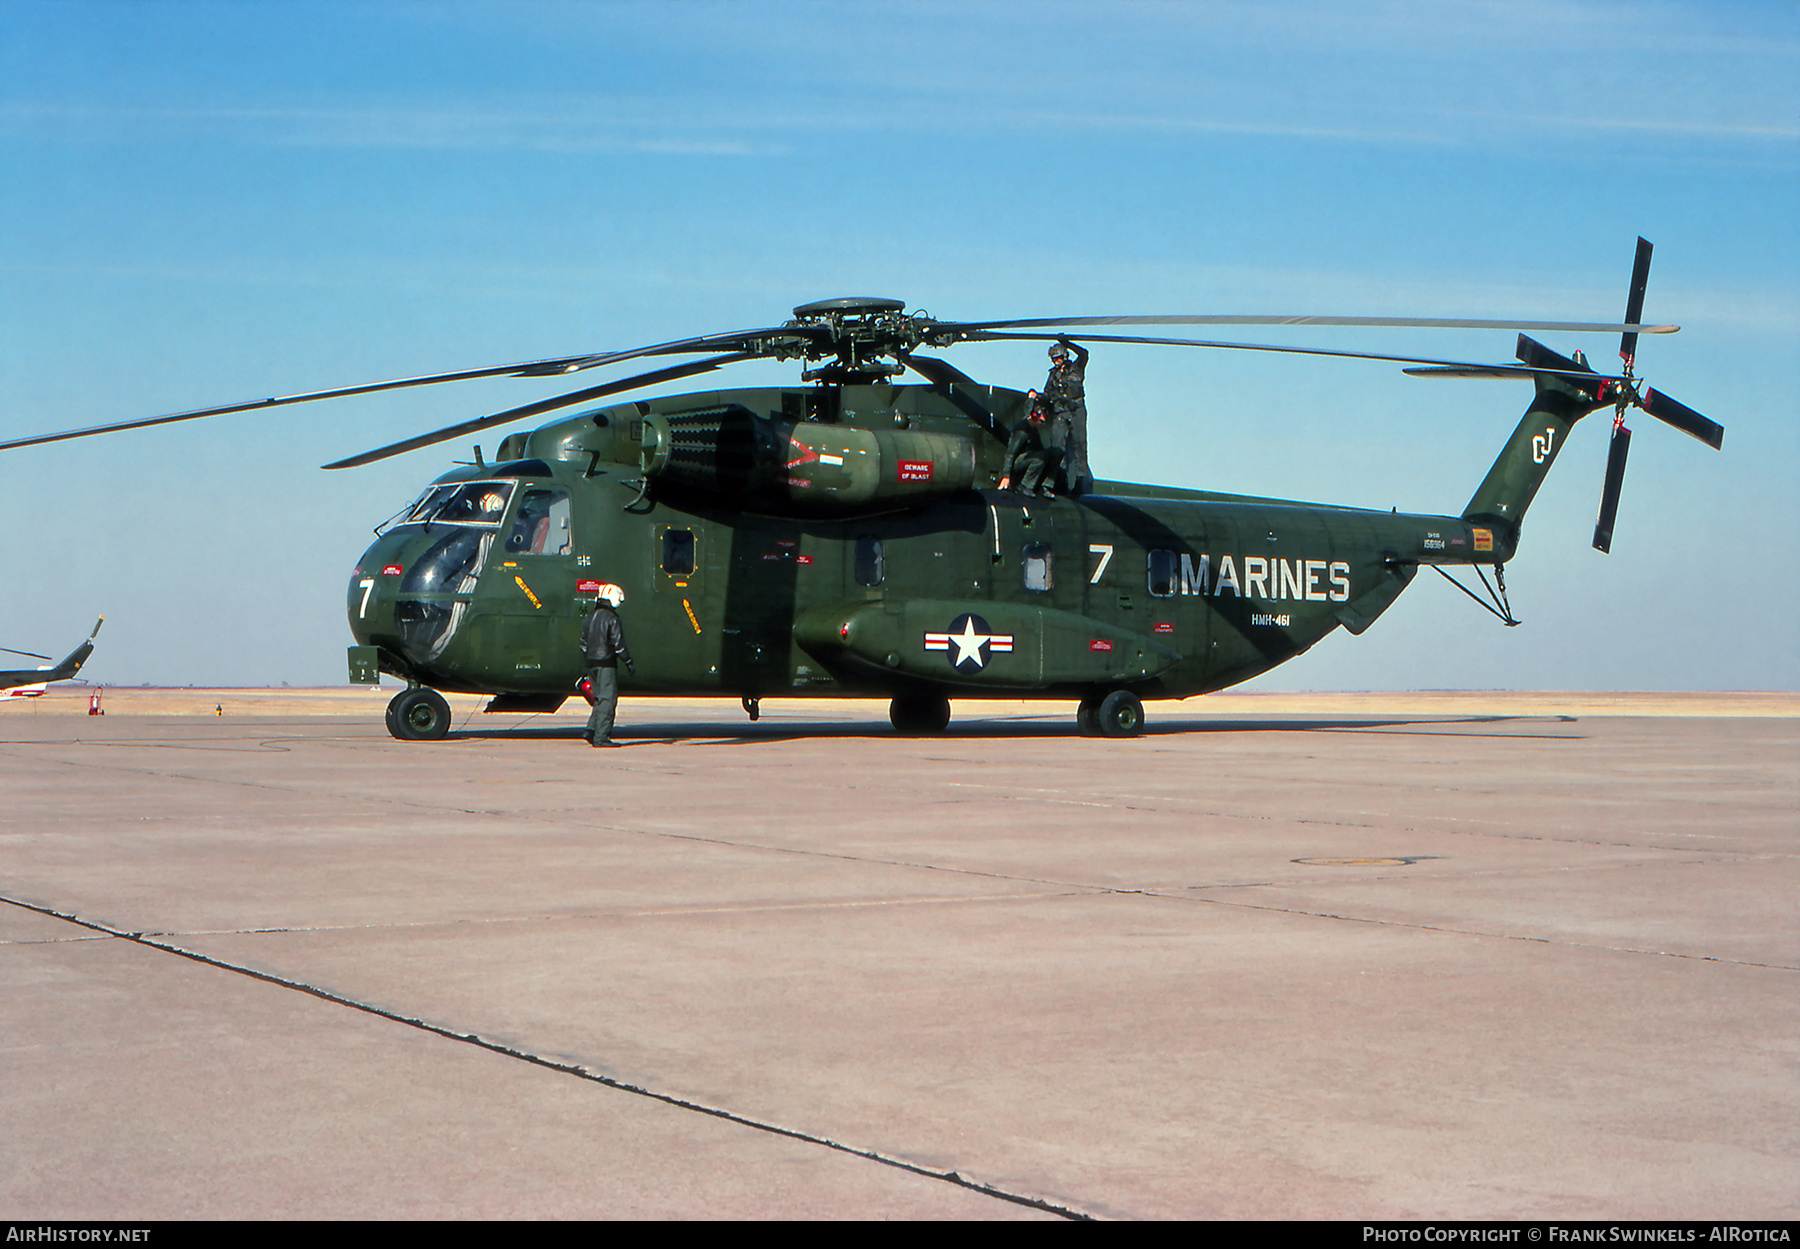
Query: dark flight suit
[[1065, 395], [1025, 454], [603, 642]]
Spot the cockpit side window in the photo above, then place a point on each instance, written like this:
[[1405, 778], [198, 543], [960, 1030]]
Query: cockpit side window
[[541, 526]]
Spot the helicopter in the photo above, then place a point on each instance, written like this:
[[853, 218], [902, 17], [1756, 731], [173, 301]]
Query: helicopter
[[30, 682], [847, 536]]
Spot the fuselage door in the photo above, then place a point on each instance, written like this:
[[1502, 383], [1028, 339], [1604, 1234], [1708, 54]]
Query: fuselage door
[[530, 585], [1173, 594], [1027, 568], [673, 637]]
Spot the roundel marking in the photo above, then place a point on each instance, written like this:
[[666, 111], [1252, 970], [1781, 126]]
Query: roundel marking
[[969, 643]]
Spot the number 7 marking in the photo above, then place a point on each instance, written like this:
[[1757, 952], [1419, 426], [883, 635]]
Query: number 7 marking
[[1105, 554], [367, 586]]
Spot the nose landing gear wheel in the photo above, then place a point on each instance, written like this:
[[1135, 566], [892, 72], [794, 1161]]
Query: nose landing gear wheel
[[917, 714], [419, 715], [1120, 714]]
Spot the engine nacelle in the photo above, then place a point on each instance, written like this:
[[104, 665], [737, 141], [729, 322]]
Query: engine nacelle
[[731, 454]]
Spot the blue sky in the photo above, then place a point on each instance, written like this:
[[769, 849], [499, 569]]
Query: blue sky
[[204, 203]]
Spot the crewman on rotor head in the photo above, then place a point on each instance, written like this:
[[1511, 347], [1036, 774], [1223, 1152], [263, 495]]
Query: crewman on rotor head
[[603, 644], [1065, 434]]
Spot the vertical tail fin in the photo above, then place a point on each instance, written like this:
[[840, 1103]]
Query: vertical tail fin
[[1513, 481]]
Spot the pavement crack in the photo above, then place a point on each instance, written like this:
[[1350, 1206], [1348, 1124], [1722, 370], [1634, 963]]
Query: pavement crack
[[1461, 932], [622, 913], [97, 936], [571, 1069]]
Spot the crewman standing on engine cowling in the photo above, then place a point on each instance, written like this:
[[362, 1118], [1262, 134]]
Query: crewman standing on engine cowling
[[1065, 396]]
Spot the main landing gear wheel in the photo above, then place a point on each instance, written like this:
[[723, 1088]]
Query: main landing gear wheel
[[1087, 717], [920, 714], [419, 715], [1120, 714]]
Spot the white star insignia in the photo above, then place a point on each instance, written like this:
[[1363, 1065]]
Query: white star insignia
[[968, 643], [971, 644]]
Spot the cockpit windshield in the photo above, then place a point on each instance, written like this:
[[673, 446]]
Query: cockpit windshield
[[461, 503]]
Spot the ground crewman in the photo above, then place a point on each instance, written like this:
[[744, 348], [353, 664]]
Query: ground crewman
[[603, 643]]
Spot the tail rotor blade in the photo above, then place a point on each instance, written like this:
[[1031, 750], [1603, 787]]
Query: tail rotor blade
[[1609, 494], [1683, 418], [1634, 303]]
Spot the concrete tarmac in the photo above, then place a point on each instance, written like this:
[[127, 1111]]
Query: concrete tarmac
[[1318, 959]]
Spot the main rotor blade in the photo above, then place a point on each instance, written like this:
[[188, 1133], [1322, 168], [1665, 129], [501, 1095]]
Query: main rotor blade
[[1683, 418], [1609, 494], [751, 341], [1476, 370], [28, 654], [1462, 367], [542, 406], [1634, 302], [1410, 323]]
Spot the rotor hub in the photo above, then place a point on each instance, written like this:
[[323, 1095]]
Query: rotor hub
[[854, 306], [862, 337]]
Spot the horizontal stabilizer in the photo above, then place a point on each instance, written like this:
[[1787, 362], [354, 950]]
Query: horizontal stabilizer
[[1537, 356]]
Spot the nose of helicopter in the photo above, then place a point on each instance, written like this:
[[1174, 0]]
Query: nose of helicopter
[[373, 586], [412, 587]]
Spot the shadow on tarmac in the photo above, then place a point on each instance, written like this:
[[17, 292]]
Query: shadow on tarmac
[[974, 729]]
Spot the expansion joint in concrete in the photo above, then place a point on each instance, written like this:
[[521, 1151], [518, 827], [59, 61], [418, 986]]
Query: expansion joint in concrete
[[572, 1069]]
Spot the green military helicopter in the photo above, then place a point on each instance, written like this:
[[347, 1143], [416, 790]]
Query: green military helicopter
[[845, 537]]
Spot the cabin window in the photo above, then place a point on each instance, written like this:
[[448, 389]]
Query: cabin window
[[1035, 560], [1163, 565], [542, 524], [678, 552], [870, 561]]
